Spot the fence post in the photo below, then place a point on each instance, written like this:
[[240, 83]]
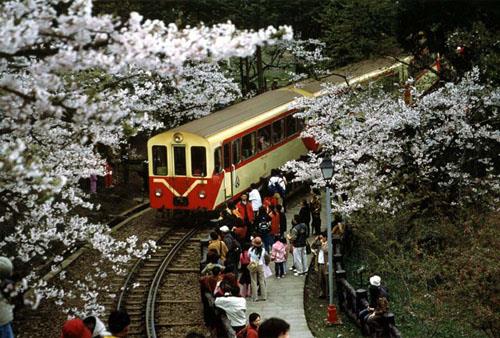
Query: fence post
[[361, 294], [388, 320], [340, 274]]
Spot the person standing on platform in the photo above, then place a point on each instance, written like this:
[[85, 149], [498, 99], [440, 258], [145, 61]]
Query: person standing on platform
[[218, 245], [263, 227], [320, 249], [255, 199], [298, 237], [278, 255], [305, 215], [256, 268], [277, 185], [247, 216], [315, 207]]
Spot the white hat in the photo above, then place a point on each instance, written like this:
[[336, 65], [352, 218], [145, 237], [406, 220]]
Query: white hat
[[224, 228], [5, 267], [375, 280]]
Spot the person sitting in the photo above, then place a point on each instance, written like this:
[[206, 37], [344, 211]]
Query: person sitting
[[234, 306], [251, 330], [374, 319], [274, 328]]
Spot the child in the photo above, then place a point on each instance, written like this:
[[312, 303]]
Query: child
[[278, 255], [245, 274]]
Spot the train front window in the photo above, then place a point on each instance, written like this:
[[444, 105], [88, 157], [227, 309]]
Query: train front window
[[218, 160], [198, 161], [159, 160], [180, 160]]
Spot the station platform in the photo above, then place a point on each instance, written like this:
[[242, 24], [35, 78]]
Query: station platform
[[285, 296]]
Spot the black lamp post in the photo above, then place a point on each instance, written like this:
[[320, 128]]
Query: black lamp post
[[326, 167]]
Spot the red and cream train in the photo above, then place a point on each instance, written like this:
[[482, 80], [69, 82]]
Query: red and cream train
[[204, 163]]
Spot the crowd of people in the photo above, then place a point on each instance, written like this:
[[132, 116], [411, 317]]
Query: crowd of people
[[93, 327], [251, 236]]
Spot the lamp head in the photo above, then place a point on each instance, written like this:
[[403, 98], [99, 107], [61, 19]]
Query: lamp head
[[326, 167]]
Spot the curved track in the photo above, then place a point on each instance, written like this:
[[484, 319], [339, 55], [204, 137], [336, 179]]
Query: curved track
[[152, 292]]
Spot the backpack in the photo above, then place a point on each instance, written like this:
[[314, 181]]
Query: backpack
[[263, 227], [277, 188]]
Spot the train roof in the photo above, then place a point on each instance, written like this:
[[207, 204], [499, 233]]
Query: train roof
[[247, 110], [238, 113]]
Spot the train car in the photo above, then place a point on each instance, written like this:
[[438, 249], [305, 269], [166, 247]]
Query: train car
[[211, 160], [204, 163]]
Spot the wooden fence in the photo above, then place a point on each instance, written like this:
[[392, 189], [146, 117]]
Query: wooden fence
[[352, 301]]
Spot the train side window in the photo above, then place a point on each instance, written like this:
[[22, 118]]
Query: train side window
[[263, 138], [248, 145], [218, 160], [227, 155], [198, 161], [290, 125], [300, 124], [159, 160], [180, 160], [278, 131], [236, 151]]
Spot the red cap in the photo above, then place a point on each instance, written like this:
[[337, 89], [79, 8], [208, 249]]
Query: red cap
[[75, 328]]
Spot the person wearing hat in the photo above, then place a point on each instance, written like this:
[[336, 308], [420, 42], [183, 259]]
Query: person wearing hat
[[256, 268], [6, 309], [75, 328], [376, 290]]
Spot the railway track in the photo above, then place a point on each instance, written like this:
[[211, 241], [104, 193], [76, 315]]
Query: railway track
[[161, 294]]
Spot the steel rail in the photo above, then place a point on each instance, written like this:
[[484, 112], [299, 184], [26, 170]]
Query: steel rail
[[134, 270], [155, 285]]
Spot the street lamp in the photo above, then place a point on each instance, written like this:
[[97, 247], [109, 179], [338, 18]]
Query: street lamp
[[326, 167]]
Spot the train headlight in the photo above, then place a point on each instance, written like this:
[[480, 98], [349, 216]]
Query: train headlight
[[158, 193], [178, 138], [202, 194]]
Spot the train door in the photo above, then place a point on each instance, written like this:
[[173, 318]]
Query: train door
[[227, 165]]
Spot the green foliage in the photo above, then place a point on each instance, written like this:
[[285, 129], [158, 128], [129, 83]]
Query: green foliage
[[357, 29], [441, 268]]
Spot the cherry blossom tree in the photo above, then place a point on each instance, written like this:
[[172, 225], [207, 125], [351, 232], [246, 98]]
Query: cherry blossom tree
[[71, 81], [444, 144]]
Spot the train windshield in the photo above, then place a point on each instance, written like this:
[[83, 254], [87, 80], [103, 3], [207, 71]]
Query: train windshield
[[198, 161], [180, 160], [159, 160]]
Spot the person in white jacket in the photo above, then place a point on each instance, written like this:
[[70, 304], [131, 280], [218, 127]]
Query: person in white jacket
[[235, 308]]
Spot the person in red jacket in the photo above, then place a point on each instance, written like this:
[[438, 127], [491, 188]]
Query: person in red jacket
[[251, 330], [247, 215]]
